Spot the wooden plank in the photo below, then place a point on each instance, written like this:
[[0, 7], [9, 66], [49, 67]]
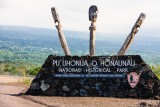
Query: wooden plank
[[130, 37], [60, 32]]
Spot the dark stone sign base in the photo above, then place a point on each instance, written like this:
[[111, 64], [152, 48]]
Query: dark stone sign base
[[45, 83]]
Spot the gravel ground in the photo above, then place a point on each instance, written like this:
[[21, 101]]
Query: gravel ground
[[9, 98], [91, 101]]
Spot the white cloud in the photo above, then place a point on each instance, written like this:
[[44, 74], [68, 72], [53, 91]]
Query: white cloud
[[2, 3], [115, 16]]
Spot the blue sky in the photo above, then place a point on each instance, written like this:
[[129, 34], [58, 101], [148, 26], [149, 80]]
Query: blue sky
[[115, 16]]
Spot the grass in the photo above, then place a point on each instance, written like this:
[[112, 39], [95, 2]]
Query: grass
[[27, 81], [156, 70]]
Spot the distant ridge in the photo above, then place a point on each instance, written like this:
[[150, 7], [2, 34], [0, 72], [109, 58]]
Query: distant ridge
[[106, 44]]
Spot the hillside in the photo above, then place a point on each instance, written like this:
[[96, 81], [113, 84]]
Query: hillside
[[33, 45]]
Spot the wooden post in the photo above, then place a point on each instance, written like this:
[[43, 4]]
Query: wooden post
[[92, 38], [60, 32], [130, 37], [93, 11]]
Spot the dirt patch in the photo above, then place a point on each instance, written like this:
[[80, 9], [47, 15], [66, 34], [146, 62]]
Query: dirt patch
[[10, 79], [9, 97], [92, 101]]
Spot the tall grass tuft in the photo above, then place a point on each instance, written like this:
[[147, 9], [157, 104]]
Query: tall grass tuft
[[156, 70]]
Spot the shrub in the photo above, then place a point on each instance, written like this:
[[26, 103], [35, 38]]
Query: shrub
[[156, 70], [33, 71]]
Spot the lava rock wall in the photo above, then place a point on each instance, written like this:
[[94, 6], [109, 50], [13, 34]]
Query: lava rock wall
[[147, 86]]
